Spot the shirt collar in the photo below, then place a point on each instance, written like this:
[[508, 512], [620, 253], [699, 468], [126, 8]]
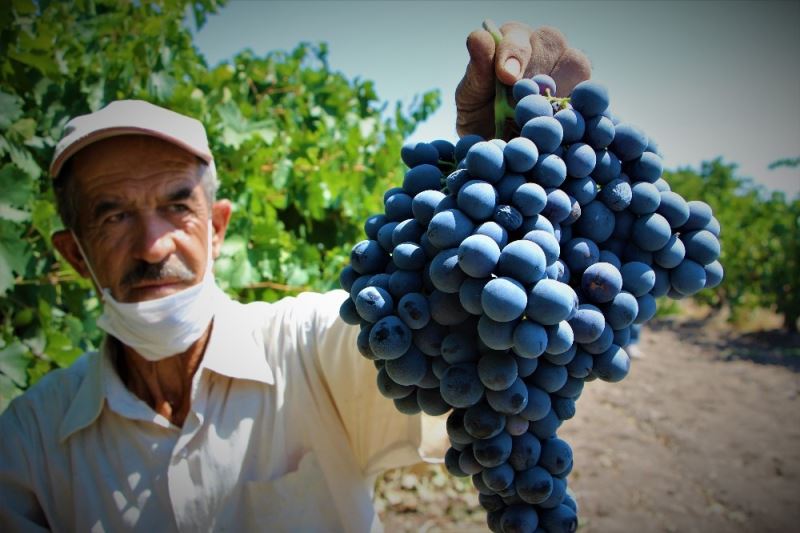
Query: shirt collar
[[235, 349]]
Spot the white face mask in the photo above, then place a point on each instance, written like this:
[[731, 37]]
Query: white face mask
[[166, 326]]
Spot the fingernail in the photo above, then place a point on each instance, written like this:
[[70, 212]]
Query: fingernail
[[513, 66]]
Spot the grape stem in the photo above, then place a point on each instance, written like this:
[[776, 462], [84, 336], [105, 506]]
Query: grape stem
[[502, 109]]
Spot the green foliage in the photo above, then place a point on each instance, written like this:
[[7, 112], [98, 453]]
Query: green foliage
[[303, 153], [760, 240]]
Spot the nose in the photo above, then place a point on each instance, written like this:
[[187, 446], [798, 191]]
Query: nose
[[155, 240]]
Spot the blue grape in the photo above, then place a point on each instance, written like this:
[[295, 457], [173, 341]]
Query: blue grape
[[509, 401], [446, 308], [612, 365], [407, 404], [662, 185], [561, 358], [524, 87], [550, 302], [460, 386], [532, 106], [651, 232], [558, 206], [564, 409], [584, 190], [459, 348], [347, 276], [389, 338], [431, 402], [605, 340], [478, 255], [548, 377], [662, 285], [520, 154], [398, 206], [483, 422], [622, 337], [580, 160], [529, 199], [557, 496], [494, 451], [714, 274], [409, 368], [561, 519], [455, 180], [448, 228], [464, 144], [445, 148], [647, 308], [547, 85], [497, 371], [647, 168], [539, 404], [589, 98], [498, 477], [599, 132], [534, 485], [518, 519], [507, 217], [451, 458], [373, 224], [525, 366], [418, 153], [421, 178], [700, 215], [503, 299], [571, 389], [607, 168], [637, 278], [631, 252], [485, 161], [607, 256], [506, 187], [550, 170], [572, 123], [469, 295], [559, 338], [597, 222], [645, 198], [701, 246], [671, 254], [537, 222], [525, 452], [445, 273], [616, 195], [713, 226], [524, 261], [367, 257], [629, 142], [477, 199], [581, 364], [389, 388], [530, 339], [622, 310], [374, 303], [673, 208], [424, 204], [601, 282], [545, 132], [409, 256], [408, 230], [556, 456], [496, 335], [547, 242], [494, 231], [413, 310], [402, 282], [579, 253], [688, 278], [467, 462], [349, 313], [455, 428], [587, 324]]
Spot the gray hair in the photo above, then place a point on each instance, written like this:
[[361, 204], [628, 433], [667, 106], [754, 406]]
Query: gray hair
[[68, 201]]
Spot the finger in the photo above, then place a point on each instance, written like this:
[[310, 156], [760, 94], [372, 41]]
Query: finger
[[513, 52], [548, 46], [572, 68], [477, 86]]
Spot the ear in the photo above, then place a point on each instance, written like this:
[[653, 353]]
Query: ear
[[64, 242], [220, 217]]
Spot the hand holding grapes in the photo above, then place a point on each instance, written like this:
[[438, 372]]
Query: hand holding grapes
[[522, 52]]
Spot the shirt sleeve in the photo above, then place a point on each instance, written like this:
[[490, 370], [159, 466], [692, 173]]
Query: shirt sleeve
[[19, 507], [380, 436]]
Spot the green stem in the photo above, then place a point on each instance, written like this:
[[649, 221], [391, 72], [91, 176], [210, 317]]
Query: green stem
[[502, 109]]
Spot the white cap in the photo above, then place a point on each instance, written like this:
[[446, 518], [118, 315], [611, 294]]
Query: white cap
[[131, 117]]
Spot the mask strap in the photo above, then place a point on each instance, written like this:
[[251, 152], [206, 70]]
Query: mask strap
[[88, 264]]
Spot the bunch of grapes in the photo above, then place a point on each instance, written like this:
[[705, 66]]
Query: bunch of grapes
[[496, 291]]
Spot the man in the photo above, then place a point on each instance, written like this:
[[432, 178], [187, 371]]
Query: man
[[200, 413]]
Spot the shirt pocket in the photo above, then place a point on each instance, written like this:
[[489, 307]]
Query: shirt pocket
[[297, 501]]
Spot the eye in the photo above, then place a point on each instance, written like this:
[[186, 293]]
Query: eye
[[117, 217], [178, 208]]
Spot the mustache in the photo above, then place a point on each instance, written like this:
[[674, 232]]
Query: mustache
[[171, 268]]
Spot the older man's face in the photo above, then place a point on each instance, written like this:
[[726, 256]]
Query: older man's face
[[143, 216]]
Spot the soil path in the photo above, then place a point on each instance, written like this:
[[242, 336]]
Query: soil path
[[702, 436]]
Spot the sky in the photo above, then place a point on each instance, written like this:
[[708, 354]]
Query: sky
[[703, 78]]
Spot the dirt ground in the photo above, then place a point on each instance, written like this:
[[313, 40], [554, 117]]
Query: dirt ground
[[702, 436]]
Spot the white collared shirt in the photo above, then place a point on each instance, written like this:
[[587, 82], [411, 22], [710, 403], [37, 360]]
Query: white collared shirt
[[286, 432]]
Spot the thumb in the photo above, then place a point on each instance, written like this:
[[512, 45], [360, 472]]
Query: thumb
[[513, 52]]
